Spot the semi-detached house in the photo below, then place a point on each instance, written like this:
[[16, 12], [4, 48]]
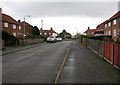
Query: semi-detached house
[[14, 27], [112, 26]]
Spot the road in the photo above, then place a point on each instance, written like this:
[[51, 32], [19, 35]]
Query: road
[[41, 65], [35, 65]]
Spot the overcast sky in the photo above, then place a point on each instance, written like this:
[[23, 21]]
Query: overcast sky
[[72, 16]]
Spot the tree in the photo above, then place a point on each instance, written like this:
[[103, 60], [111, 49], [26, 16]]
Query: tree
[[35, 31]]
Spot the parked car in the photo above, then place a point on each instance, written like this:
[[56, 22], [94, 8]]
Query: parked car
[[59, 39], [51, 39]]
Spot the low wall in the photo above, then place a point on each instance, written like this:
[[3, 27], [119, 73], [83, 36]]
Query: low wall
[[29, 41]]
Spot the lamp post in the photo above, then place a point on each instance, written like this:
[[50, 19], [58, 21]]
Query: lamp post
[[24, 27], [24, 24]]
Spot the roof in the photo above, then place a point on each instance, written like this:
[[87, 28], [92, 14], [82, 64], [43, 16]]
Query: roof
[[8, 18], [113, 17], [90, 30], [47, 31], [26, 24]]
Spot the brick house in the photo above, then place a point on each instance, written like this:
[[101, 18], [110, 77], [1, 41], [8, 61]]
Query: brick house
[[112, 26], [14, 27], [100, 29], [48, 32], [90, 31], [28, 27]]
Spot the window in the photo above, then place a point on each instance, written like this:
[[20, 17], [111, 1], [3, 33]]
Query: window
[[88, 32], [105, 25], [114, 32], [14, 26], [109, 24], [106, 33], [40, 33], [5, 24], [45, 33], [109, 33], [19, 27], [114, 22], [49, 33], [14, 33], [18, 33], [92, 32]]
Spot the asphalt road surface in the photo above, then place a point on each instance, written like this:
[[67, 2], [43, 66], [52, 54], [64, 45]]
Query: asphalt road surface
[[35, 65], [41, 64]]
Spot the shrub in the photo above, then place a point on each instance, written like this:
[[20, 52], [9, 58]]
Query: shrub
[[8, 39]]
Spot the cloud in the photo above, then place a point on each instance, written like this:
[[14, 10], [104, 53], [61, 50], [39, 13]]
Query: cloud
[[58, 9]]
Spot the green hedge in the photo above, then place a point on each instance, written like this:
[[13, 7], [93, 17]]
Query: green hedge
[[8, 39]]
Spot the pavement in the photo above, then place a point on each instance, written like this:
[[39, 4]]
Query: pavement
[[41, 64], [19, 48], [84, 66]]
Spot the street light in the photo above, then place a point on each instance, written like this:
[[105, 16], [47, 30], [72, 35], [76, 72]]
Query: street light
[[24, 24], [24, 27]]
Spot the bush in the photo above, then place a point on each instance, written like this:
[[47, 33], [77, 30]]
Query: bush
[[8, 39]]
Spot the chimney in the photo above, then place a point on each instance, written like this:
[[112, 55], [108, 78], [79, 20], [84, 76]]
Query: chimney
[[88, 28], [51, 28], [41, 29], [19, 21]]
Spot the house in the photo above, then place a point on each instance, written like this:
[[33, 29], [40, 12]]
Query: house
[[28, 27], [90, 31], [65, 34], [100, 29], [14, 27], [11, 25], [112, 26], [48, 32]]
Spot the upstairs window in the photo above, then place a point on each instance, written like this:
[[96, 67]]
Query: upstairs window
[[14, 26], [109, 24], [40, 33], [105, 25], [19, 27], [45, 33], [114, 22], [5, 24], [49, 33]]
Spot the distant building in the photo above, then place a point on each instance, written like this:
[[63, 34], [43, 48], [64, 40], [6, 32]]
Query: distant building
[[90, 31], [48, 32], [65, 34], [14, 27]]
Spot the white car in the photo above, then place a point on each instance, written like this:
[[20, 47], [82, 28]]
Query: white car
[[51, 39], [59, 39]]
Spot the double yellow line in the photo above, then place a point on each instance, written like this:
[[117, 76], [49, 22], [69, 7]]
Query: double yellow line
[[62, 65]]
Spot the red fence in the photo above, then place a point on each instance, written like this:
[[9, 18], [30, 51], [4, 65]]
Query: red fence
[[116, 55], [108, 50]]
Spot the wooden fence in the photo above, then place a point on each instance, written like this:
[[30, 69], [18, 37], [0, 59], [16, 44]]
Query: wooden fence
[[108, 50]]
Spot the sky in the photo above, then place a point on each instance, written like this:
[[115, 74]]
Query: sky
[[72, 15]]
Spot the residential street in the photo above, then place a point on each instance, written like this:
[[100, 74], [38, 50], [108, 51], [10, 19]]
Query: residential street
[[35, 65], [41, 64]]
